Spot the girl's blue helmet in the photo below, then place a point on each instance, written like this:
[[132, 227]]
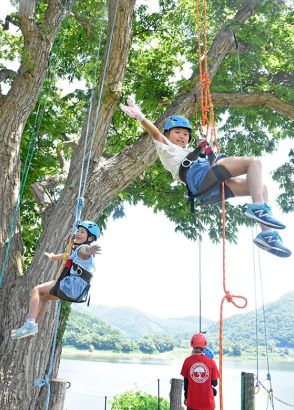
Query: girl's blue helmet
[[177, 121], [91, 227]]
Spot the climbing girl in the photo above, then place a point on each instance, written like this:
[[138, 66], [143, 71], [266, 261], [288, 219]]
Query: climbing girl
[[203, 176], [72, 285]]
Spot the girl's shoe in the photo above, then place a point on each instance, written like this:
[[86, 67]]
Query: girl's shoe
[[25, 331], [271, 242]]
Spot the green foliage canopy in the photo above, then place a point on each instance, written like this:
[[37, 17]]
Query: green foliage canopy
[[163, 54]]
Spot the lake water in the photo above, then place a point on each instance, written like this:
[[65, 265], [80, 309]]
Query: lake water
[[95, 383]]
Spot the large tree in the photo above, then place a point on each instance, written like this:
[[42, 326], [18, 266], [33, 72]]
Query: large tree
[[147, 54]]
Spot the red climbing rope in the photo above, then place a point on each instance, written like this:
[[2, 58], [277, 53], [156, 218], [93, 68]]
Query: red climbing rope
[[208, 121]]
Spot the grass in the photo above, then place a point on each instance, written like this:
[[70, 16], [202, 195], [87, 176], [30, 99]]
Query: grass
[[176, 354], [73, 353]]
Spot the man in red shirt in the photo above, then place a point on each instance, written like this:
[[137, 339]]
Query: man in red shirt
[[200, 375]]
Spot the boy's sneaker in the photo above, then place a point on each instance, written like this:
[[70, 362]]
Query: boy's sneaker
[[25, 331], [263, 215], [271, 242]]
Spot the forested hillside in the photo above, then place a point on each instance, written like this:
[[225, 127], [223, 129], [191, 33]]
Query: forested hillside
[[86, 331], [134, 323], [239, 330]]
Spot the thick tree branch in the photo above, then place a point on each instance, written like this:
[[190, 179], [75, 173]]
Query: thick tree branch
[[26, 17], [9, 19], [84, 21], [5, 73], [41, 189], [55, 13], [254, 100], [27, 8], [60, 153]]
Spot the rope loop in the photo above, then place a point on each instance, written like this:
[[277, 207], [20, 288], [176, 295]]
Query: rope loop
[[230, 298]]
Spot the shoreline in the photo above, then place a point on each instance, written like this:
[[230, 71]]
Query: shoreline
[[70, 353]]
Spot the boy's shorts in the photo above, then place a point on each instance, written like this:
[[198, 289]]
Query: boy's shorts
[[196, 175]]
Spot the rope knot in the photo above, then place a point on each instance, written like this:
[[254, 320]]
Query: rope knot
[[42, 382], [233, 299], [229, 297]]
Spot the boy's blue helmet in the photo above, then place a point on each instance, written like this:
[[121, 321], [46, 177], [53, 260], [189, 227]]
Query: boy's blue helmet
[[177, 121], [91, 227], [208, 352]]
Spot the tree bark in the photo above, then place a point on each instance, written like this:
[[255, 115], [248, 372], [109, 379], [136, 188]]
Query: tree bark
[[175, 395]]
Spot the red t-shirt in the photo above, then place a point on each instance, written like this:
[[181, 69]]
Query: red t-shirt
[[200, 371]]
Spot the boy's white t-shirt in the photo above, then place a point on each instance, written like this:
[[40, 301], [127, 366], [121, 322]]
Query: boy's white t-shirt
[[171, 156]]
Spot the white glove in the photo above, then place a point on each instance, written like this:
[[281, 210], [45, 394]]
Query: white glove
[[133, 110], [49, 255]]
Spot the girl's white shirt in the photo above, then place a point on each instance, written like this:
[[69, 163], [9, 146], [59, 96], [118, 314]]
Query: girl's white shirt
[[171, 156]]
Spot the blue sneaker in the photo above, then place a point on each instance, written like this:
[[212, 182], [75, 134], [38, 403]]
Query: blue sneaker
[[25, 331], [271, 242], [263, 215]]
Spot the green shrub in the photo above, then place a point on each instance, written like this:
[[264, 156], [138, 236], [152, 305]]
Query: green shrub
[[138, 401]]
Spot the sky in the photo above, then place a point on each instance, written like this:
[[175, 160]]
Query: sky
[[147, 265]]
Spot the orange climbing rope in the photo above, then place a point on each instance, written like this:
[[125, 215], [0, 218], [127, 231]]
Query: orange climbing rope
[[208, 121]]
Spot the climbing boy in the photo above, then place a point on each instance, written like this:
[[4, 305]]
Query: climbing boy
[[72, 285], [203, 179]]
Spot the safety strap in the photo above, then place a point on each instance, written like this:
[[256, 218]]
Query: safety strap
[[216, 175], [193, 156]]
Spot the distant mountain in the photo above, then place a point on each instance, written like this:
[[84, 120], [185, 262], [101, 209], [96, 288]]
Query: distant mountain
[[238, 330], [135, 324]]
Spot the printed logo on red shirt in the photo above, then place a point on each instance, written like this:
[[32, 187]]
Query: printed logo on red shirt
[[199, 372]]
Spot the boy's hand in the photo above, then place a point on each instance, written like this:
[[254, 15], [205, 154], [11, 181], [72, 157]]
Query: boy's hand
[[132, 110]]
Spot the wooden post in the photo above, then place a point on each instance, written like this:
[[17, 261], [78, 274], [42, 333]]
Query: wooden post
[[158, 394], [57, 393], [247, 391], [175, 395]]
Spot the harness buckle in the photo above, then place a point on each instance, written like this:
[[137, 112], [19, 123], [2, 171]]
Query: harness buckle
[[186, 163], [79, 271]]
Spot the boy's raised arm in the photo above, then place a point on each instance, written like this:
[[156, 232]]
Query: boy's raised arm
[[134, 111]]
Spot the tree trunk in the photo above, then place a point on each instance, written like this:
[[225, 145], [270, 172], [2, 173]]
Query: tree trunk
[[23, 361]]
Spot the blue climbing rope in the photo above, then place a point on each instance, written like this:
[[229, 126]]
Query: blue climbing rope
[[83, 179], [85, 172], [45, 382]]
